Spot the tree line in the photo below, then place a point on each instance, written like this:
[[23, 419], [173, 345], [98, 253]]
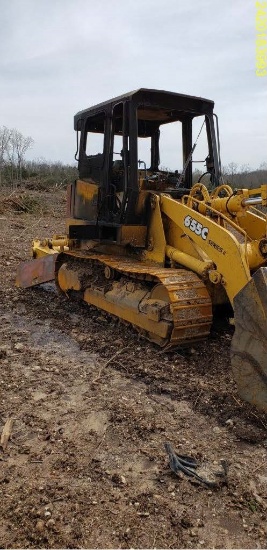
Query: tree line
[[13, 147], [40, 173], [238, 177]]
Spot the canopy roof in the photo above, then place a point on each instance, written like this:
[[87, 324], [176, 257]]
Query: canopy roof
[[156, 105]]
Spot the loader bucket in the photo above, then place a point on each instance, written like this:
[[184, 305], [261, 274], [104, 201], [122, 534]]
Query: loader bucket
[[35, 272], [249, 343]]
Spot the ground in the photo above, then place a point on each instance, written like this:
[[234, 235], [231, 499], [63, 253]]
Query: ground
[[93, 405]]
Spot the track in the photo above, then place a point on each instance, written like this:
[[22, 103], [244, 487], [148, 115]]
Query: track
[[171, 307]]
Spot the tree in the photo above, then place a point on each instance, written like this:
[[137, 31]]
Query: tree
[[20, 144], [232, 169], [13, 147], [5, 135]]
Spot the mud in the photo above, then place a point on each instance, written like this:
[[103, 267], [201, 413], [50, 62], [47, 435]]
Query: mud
[[93, 405]]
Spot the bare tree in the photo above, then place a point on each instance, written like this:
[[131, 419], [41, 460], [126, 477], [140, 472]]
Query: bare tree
[[20, 144], [5, 135], [232, 169]]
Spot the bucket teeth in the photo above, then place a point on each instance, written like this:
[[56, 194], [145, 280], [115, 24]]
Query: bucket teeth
[[249, 343]]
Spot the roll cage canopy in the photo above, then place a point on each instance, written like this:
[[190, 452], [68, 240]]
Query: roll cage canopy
[[134, 115]]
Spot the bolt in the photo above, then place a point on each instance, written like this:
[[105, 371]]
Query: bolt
[[150, 244]]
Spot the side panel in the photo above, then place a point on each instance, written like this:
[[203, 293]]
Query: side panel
[[85, 201]]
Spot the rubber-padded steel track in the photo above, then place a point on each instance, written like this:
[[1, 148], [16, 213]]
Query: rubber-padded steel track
[[189, 305]]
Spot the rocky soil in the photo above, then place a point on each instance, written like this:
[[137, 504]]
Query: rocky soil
[[92, 406]]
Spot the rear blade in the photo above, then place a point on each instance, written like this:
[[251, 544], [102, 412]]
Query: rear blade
[[249, 343], [35, 272]]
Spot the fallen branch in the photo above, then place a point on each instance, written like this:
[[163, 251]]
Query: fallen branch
[[237, 401], [15, 202], [259, 419], [29, 227], [113, 357], [6, 433], [261, 465], [106, 364], [197, 399]]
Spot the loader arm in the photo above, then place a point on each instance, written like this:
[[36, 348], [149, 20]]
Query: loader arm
[[237, 262], [221, 246]]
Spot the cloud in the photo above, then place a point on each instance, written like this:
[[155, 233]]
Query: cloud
[[58, 57]]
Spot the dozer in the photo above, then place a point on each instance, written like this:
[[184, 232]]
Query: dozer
[[146, 245]]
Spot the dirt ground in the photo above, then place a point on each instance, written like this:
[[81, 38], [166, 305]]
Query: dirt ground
[[93, 405]]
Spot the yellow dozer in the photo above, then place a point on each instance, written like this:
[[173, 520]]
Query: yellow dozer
[[145, 244]]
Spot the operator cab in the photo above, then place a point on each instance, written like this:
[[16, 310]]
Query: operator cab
[[123, 151]]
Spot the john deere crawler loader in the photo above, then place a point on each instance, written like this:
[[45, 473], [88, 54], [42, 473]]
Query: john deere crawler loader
[[146, 245]]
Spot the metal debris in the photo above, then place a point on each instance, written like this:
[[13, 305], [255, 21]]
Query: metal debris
[[188, 465]]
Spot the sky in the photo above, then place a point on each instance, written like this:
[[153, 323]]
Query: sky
[[58, 57]]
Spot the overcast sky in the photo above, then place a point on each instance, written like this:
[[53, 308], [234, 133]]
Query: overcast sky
[[60, 56]]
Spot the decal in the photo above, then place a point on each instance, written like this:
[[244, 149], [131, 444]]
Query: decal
[[217, 247], [196, 227]]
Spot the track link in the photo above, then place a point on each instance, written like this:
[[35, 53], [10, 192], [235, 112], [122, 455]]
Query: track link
[[169, 306]]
